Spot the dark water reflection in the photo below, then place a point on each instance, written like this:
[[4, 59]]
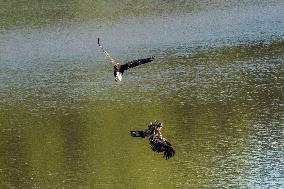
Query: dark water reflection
[[218, 89]]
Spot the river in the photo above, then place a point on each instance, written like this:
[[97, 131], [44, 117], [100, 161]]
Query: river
[[216, 84]]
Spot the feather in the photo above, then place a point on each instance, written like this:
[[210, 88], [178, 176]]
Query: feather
[[156, 141]]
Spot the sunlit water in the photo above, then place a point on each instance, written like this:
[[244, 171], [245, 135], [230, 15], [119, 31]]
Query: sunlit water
[[216, 84]]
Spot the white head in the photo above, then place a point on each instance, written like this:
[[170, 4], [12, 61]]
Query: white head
[[118, 76]]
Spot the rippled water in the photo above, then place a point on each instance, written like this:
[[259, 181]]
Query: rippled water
[[217, 85]]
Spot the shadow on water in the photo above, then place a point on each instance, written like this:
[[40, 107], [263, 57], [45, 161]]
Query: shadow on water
[[15, 168]]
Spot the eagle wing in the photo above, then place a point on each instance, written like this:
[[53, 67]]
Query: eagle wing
[[138, 62], [162, 145], [156, 142]]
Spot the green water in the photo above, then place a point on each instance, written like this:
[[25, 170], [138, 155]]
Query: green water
[[216, 84]]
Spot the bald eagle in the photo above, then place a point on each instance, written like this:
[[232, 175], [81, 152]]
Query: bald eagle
[[120, 68], [156, 141]]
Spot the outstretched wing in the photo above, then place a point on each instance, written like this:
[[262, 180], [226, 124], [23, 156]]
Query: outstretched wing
[[111, 59], [138, 62], [162, 145]]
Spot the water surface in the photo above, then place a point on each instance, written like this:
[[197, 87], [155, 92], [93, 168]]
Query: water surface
[[217, 85]]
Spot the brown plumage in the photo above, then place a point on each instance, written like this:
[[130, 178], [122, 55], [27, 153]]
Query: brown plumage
[[156, 140]]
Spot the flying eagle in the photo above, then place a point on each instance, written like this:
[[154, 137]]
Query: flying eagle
[[156, 141], [118, 68]]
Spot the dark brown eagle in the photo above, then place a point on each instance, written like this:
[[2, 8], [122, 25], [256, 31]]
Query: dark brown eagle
[[156, 140]]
